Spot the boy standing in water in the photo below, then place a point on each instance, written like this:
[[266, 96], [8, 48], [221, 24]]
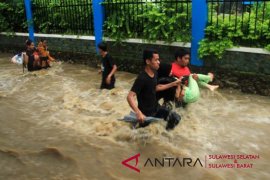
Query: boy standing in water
[[108, 68], [145, 87]]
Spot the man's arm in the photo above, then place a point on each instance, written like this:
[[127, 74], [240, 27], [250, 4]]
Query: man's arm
[[113, 71], [108, 80], [131, 101], [162, 87]]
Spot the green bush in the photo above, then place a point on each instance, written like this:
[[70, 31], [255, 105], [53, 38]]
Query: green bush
[[4, 23], [65, 17], [122, 21], [12, 17], [236, 30], [150, 21], [162, 22]]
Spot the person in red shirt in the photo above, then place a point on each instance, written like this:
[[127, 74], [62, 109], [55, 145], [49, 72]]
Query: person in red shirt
[[189, 91]]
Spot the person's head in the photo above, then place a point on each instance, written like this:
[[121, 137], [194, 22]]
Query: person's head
[[43, 41], [102, 48], [182, 57], [151, 58], [29, 44], [164, 70]]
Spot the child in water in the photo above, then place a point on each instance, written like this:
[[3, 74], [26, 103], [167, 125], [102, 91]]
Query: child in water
[[44, 54]]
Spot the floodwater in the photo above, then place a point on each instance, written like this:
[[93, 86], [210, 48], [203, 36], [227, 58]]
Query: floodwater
[[57, 124]]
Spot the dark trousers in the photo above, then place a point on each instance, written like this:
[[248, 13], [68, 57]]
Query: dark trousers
[[46, 59], [104, 85], [171, 117]]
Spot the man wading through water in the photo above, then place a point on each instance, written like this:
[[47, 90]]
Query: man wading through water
[[145, 88]]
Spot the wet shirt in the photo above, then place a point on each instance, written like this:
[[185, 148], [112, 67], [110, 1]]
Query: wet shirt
[[30, 64], [30, 52], [107, 66], [145, 89], [179, 71]]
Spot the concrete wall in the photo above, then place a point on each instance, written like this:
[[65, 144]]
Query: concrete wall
[[247, 69]]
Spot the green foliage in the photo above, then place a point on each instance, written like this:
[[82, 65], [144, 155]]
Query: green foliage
[[12, 16], [267, 47], [227, 31], [150, 21], [122, 21], [66, 17], [118, 25], [3, 21], [164, 23], [214, 48]]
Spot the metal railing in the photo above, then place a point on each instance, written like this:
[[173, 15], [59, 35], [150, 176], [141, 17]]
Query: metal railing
[[13, 16], [132, 17], [249, 20], [63, 16], [245, 21]]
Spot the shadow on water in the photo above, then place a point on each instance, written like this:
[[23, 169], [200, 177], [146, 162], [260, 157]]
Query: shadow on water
[[57, 124]]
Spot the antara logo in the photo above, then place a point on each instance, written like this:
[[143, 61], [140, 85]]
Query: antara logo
[[125, 162], [165, 162]]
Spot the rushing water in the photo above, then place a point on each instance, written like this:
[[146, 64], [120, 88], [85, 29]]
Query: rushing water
[[57, 124]]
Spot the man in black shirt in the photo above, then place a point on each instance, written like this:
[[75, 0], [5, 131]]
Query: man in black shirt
[[145, 87], [108, 68]]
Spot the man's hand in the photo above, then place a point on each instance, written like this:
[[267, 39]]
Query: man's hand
[[130, 98], [162, 87], [140, 116], [177, 82], [108, 79], [195, 76]]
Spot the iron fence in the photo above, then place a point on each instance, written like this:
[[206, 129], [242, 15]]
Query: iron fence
[[63, 16], [132, 18], [243, 20], [12, 16], [247, 22]]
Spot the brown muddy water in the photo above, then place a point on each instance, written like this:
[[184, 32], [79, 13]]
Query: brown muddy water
[[57, 124]]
